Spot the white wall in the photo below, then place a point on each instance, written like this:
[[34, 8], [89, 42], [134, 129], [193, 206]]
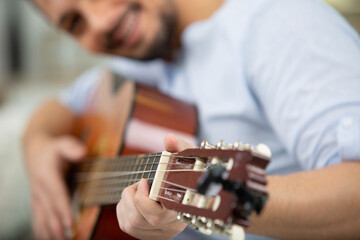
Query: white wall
[[2, 41], [48, 50]]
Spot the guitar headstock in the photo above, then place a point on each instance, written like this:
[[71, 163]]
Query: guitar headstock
[[213, 187]]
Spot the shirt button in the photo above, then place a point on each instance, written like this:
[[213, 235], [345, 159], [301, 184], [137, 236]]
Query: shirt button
[[347, 122]]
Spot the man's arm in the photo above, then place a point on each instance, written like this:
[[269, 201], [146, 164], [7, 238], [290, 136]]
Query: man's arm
[[317, 204], [48, 148], [51, 119]]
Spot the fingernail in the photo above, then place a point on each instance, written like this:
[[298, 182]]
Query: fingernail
[[140, 183], [69, 233], [68, 222], [179, 142]]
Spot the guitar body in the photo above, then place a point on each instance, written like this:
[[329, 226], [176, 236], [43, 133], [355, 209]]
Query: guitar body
[[125, 118]]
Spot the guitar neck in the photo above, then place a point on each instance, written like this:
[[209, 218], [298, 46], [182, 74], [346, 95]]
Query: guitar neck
[[101, 181]]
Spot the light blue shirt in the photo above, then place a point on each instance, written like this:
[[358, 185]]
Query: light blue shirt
[[282, 72]]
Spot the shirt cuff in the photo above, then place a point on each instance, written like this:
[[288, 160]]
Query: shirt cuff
[[348, 137]]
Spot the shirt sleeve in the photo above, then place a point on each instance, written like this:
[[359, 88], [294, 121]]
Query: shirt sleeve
[[78, 95], [304, 63]]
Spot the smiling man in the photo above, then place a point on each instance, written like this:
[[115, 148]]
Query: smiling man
[[282, 72], [142, 30]]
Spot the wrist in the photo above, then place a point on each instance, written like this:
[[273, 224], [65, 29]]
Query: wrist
[[34, 143]]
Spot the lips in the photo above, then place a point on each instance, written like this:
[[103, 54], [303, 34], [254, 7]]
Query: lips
[[125, 33]]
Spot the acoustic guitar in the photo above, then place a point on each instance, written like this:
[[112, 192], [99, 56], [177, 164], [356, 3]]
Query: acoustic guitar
[[123, 122]]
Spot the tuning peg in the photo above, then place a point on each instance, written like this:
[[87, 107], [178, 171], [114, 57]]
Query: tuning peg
[[248, 147], [205, 225], [185, 217], [237, 233], [241, 146], [263, 149], [218, 226], [237, 145], [200, 222], [221, 145], [206, 145]]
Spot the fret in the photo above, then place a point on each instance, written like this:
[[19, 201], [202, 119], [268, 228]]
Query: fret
[[152, 173], [139, 168], [122, 163], [148, 167], [144, 166], [131, 181]]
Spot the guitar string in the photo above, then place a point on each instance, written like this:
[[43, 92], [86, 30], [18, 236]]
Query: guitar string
[[120, 188], [115, 175], [112, 178], [107, 163], [114, 200], [131, 157], [102, 161], [90, 171], [84, 177], [115, 192], [95, 195], [114, 197]]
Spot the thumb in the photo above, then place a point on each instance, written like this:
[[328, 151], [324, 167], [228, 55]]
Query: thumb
[[175, 144], [70, 148]]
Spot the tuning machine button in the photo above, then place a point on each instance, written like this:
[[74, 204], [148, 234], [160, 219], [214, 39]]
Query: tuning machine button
[[185, 217], [237, 233], [200, 222], [206, 145], [220, 227], [225, 146], [238, 145], [263, 149]]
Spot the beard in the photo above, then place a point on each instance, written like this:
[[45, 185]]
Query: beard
[[162, 44]]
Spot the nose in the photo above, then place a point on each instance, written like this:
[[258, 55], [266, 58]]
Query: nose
[[98, 17]]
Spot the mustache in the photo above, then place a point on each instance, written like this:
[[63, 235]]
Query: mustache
[[109, 42]]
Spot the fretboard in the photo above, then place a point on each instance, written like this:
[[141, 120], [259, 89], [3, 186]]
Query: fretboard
[[101, 181]]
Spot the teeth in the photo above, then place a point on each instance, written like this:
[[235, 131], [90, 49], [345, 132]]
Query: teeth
[[129, 25]]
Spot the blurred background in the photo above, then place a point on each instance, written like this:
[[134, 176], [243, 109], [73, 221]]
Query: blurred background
[[37, 61]]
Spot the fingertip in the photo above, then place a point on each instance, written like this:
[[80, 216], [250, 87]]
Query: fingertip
[[79, 153], [171, 143], [72, 149], [68, 222]]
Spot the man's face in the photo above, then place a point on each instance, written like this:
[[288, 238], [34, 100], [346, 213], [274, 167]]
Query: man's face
[[140, 29]]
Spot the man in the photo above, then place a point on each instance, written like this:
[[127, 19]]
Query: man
[[282, 72]]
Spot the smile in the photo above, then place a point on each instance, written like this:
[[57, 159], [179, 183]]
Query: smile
[[126, 32]]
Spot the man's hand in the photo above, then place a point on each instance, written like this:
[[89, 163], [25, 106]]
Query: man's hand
[[47, 160], [143, 218]]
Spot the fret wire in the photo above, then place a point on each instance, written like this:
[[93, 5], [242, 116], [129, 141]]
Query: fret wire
[[152, 166], [128, 166], [139, 168], [147, 166], [131, 176], [121, 165], [144, 167]]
